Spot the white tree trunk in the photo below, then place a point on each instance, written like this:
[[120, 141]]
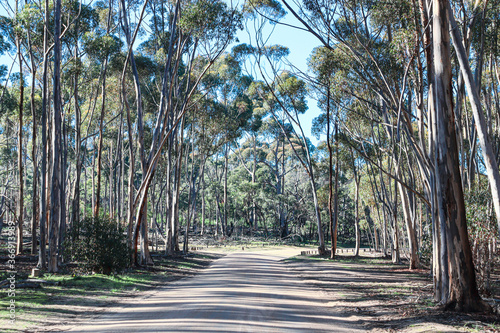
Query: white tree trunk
[[480, 121]]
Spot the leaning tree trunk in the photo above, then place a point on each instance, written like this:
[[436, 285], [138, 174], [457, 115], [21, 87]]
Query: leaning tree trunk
[[463, 293], [480, 121]]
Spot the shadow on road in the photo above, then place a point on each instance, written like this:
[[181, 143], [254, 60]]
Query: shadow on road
[[242, 292]]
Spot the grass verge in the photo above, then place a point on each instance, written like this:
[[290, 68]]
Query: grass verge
[[64, 298]]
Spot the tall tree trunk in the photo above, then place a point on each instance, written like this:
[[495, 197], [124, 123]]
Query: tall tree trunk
[[42, 254], [396, 256], [75, 204], [56, 196], [224, 212], [463, 293], [254, 225], [202, 203], [137, 86], [480, 121], [101, 122], [440, 280], [356, 204], [174, 219], [330, 176], [35, 203], [131, 167], [20, 201], [321, 238], [356, 214], [101, 141], [412, 239], [284, 212], [168, 200], [146, 258], [192, 202], [64, 181], [336, 193], [111, 184], [121, 183]]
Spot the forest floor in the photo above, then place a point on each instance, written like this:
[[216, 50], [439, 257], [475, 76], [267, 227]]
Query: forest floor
[[364, 294], [72, 297], [385, 297]]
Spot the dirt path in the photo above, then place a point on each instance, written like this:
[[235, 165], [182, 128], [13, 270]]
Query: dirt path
[[242, 292]]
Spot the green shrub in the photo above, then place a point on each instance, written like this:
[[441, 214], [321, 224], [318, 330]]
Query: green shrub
[[98, 245], [482, 233]]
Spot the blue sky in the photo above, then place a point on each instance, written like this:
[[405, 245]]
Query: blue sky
[[299, 42]]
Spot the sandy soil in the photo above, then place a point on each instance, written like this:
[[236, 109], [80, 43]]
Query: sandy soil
[[242, 292], [77, 305], [385, 297], [260, 290]]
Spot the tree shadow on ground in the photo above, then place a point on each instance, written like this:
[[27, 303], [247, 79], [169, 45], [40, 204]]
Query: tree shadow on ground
[[384, 295]]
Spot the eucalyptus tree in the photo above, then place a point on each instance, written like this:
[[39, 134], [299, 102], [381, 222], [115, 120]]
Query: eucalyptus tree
[[42, 252], [227, 86], [459, 289], [473, 92], [278, 155], [4, 46], [31, 22], [251, 155], [20, 204], [345, 27], [8, 152], [16, 35], [454, 256], [201, 28], [322, 63], [57, 210], [385, 63], [367, 58], [207, 122], [284, 93], [285, 97], [76, 70], [64, 37], [13, 28], [253, 129], [101, 44], [288, 96]]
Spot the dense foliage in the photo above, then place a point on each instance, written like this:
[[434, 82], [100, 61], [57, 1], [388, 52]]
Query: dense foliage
[[98, 245]]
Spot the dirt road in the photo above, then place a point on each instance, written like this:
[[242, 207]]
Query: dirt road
[[241, 292]]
